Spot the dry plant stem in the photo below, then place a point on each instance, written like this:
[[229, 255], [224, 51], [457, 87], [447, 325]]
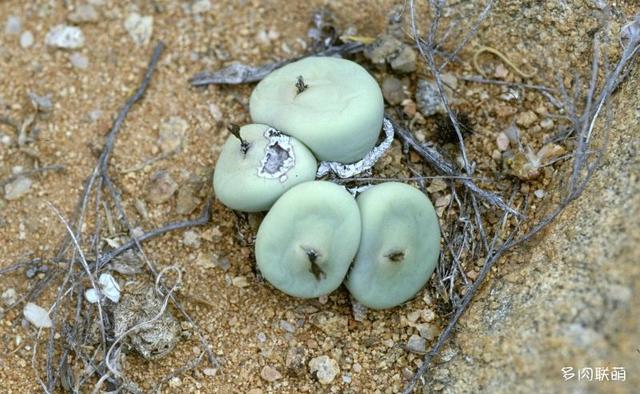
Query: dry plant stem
[[203, 219], [101, 168], [131, 243], [510, 84], [502, 57], [139, 93], [544, 90], [470, 34], [53, 310], [441, 165], [19, 265], [53, 167], [189, 366], [429, 57], [394, 179], [239, 73]]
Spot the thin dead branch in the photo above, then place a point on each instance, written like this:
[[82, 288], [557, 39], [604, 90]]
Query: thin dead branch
[[240, 73], [52, 167], [445, 167]]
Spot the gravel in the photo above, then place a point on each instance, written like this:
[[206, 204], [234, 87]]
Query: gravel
[[43, 103], [416, 344], [64, 37], [37, 315], [295, 360], [17, 188], [78, 60], [387, 49], [139, 28], [392, 90], [84, 13], [26, 39], [325, 369], [502, 141], [191, 238], [9, 296], [270, 374], [288, 327], [201, 6], [161, 187], [13, 25], [526, 119], [428, 98], [172, 133]]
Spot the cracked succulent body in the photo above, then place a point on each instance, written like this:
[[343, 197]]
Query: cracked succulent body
[[399, 247], [308, 239], [332, 105], [252, 174]]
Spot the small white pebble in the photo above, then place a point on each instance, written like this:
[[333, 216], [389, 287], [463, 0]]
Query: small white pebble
[[546, 123], [209, 371], [13, 26], [539, 193], [240, 281], [359, 311], [109, 287], [286, 326], [324, 368], [201, 6], [270, 374], [191, 238], [137, 232], [9, 296], [503, 142], [416, 344], [413, 316], [140, 28], [18, 188], [37, 315], [26, 39], [64, 36], [501, 71], [175, 382], [95, 115], [215, 112], [78, 60]]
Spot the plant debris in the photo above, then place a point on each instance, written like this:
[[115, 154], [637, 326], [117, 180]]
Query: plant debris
[[152, 332]]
